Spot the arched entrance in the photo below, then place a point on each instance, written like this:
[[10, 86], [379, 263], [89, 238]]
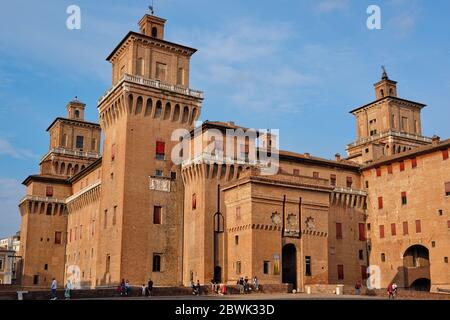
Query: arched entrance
[[416, 266], [289, 265], [421, 284]]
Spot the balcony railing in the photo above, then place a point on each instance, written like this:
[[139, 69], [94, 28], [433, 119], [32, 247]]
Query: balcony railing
[[219, 159], [41, 199], [350, 191], [75, 153], [387, 134], [152, 83]]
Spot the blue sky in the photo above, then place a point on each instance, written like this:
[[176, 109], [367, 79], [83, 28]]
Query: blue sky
[[299, 66]]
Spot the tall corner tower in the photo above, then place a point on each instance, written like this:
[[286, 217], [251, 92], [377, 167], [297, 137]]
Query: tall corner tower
[[74, 145], [389, 125], [142, 191]]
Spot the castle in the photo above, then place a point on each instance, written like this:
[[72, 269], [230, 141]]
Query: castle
[[129, 211]]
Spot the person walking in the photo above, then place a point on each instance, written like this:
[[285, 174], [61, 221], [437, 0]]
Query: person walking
[[198, 288], [394, 290], [68, 290], [53, 288], [150, 287], [255, 283], [358, 288], [390, 291], [127, 288], [241, 285], [122, 287]]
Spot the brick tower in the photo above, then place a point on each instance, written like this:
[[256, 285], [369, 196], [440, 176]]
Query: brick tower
[[387, 126], [141, 208], [74, 145]]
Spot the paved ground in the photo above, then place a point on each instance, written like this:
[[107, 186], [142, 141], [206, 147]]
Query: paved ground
[[276, 296]]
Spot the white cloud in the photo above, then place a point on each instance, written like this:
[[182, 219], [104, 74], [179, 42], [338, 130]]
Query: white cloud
[[326, 6], [403, 23], [11, 191], [6, 149]]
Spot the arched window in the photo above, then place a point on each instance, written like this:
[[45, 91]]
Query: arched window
[[139, 103], [158, 109], [391, 92], [77, 114], [156, 263], [154, 32], [382, 93]]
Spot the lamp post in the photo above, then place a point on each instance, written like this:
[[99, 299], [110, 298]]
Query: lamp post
[[218, 222]]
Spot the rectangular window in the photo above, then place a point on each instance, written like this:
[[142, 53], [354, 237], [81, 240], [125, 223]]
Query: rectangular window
[[389, 168], [349, 182], [362, 232], [140, 67], [393, 229], [333, 179], [418, 226], [180, 77], [173, 175], [58, 237], [383, 257], [105, 219], [381, 232], [156, 263], [405, 228], [49, 191], [238, 267], [448, 224], [315, 175], [338, 230], [160, 150], [113, 152], [194, 201], [266, 267], [79, 142], [81, 231], [159, 173], [238, 213], [108, 263], [236, 240], [402, 166], [156, 215], [308, 272], [444, 154], [76, 233], [114, 216], [447, 188], [161, 71], [35, 279], [363, 272], [340, 271], [414, 163], [378, 172], [296, 172], [380, 202], [361, 255], [70, 235], [404, 198], [93, 144], [1, 264]]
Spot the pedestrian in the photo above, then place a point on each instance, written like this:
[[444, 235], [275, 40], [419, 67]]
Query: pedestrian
[[358, 288], [150, 287], [127, 288], [194, 289], [53, 288], [394, 290], [68, 290], [198, 287], [390, 291], [213, 286], [143, 290], [255, 283], [241, 285], [122, 287], [246, 285]]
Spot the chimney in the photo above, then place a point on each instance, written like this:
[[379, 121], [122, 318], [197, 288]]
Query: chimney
[[307, 155], [338, 156], [435, 140]]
